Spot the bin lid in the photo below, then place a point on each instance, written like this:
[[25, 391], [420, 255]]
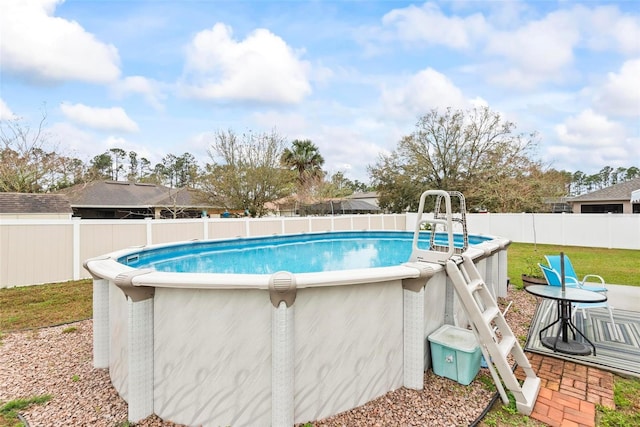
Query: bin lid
[[455, 337]]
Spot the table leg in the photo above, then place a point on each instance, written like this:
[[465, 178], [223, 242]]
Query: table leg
[[566, 345], [575, 329], [558, 319]]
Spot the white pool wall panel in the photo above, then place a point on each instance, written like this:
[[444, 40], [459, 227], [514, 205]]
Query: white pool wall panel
[[101, 323], [348, 342], [140, 359], [413, 336], [118, 340], [213, 356]]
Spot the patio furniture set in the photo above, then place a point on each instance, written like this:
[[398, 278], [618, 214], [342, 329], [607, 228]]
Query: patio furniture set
[[571, 295]]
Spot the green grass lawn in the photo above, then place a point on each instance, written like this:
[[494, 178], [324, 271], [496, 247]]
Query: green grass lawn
[[28, 307], [616, 266]]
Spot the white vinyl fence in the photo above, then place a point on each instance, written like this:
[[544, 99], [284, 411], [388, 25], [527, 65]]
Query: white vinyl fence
[[46, 251]]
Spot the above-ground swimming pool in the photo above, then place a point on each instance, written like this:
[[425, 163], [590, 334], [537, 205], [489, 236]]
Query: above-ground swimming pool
[[272, 330]]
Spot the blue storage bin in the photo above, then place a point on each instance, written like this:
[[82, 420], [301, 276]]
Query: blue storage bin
[[455, 354]]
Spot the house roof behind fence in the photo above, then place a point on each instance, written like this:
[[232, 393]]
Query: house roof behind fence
[[129, 194], [621, 191], [23, 203]]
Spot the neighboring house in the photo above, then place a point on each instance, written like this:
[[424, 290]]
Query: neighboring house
[[557, 205], [286, 206], [619, 198], [133, 200], [356, 203], [339, 207], [370, 197], [34, 206]]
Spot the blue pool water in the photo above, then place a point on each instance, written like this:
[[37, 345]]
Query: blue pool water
[[308, 253]]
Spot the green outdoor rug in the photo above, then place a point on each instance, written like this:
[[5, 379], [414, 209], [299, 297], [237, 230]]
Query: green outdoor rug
[[622, 356]]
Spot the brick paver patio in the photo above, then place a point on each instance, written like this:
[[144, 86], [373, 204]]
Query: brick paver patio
[[569, 392]]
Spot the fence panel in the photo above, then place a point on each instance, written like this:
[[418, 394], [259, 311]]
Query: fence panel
[[100, 237], [227, 229], [168, 231], [36, 252], [620, 231]]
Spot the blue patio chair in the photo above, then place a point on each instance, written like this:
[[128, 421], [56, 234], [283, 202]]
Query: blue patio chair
[[571, 278], [553, 279]]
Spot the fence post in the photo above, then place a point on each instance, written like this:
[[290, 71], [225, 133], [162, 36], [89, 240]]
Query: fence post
[[149, 231], [76, 247], [609, 230], [205, 228]]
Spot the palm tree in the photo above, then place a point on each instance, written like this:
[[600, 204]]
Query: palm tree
[[304, 158]]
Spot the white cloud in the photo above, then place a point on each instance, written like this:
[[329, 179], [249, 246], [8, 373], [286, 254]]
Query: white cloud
[[85, 145], [589, 141], [607, 29], [198, 144], [289, 125], [5, 111], [262, 67], [422, 92], [429, 25], [137, 85], [346, 149], [546, 49], [537, 52], [518, 51], [620, 95], [40, 46], [110, 119], [590, 129], [74, 142]]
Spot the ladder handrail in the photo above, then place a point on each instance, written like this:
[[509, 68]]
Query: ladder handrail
[[446, 222], [435, 253]]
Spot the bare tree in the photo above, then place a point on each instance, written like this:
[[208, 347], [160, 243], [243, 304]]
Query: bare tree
[[245, 171], [26, 165]]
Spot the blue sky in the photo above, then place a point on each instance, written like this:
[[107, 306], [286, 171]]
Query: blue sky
[[162, 77]]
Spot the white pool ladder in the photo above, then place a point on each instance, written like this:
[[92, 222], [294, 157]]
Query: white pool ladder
[[496, 338]]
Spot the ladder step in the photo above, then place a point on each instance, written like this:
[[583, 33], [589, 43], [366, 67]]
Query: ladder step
[[506, 345], [530, 389], [475, 285], [490, 313]]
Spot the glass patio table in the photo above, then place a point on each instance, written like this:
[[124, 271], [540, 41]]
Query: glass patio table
[[561, 342]]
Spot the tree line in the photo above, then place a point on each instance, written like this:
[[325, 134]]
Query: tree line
[[480, 154], [243, 172], [607, 176], [476, 152]]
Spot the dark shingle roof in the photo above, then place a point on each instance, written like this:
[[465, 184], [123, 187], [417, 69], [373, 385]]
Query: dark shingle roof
[[22, 203], [365, 195], [128, 194], [621, 191]]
